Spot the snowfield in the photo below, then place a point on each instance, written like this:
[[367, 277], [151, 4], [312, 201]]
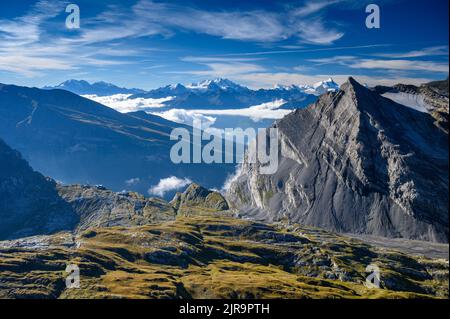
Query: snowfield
[[414, 101]]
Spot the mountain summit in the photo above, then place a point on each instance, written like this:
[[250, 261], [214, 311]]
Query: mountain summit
[[325, 86], [98, 88], [218, 83], [355, 162]]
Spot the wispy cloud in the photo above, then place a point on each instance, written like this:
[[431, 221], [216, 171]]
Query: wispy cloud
[[26, 29], [27, 47], [407, 65], [44, 50], [256, 25], [431, 51], [311, 7], [31, 65], [309, 50], [19, 35], [132, 181], [315, 32], [355, 62], [226, 67]]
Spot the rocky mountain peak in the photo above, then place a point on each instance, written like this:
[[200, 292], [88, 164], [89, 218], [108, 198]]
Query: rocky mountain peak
[[354, 161]]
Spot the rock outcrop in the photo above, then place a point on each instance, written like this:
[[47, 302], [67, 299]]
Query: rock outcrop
[[355, 162], [101, 207], [197, 199]]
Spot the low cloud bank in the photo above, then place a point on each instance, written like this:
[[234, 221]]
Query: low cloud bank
[[122, 103]]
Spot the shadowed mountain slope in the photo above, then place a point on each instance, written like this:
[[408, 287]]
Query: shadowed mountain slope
[[29, 203], [76, 140]]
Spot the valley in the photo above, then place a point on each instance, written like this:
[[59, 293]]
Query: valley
[[212, 159], [257, 240]]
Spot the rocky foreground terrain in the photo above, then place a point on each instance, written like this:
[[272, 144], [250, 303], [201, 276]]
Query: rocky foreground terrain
[[129, 246], [212, 255]]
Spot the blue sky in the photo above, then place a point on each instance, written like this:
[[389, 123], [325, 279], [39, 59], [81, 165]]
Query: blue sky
[[147, 44]]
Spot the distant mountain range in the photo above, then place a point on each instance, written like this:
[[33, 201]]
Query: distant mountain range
[[210, 94], [75, 140], [101, 88], [356, 162]]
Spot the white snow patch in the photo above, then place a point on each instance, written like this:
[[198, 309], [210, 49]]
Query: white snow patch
[[414, 101]]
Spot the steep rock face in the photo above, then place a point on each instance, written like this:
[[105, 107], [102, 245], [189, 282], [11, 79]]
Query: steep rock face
[[354, 162], [197, 198], [29, 203]]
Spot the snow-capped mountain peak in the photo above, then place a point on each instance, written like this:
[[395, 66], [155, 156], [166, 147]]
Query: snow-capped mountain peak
[[317, 89], [176, 86], [72, 82], [327, 83], [326, 86], [286, 87], [218, 83]]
